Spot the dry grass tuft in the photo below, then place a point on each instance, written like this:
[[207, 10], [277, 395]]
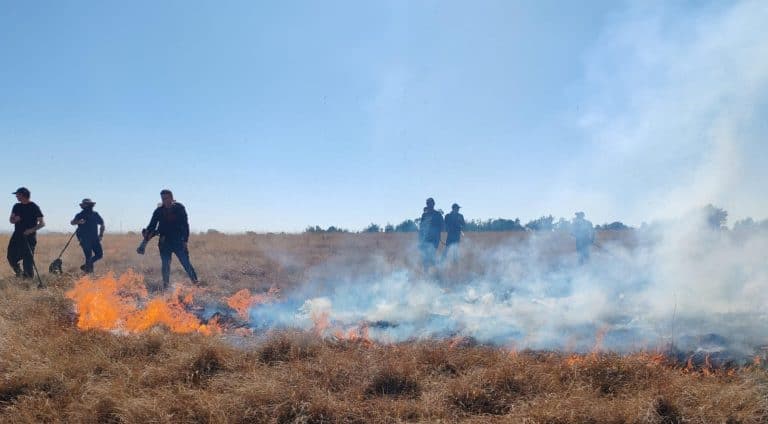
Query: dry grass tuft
[[394, 383], [287, 347]]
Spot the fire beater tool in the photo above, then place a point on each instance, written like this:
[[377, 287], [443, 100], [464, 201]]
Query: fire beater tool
[[147, 237], [40, 284]]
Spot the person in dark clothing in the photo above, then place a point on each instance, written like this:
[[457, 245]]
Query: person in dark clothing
[[430, 227], [454, 225], [27, 219], [90, 230], [584, 233], [171, 223]]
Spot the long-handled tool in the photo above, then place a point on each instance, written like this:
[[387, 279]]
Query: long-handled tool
[[55, 266], [40, 284]]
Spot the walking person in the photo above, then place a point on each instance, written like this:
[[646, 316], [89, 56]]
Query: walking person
[[584, 233], [27, 218], [90, 231], [171, 223], [430, 227], [454, 225]]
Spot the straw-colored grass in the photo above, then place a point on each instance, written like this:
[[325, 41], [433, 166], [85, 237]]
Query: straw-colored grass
[[52, 372]]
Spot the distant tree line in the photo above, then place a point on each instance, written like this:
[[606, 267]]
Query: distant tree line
[[715, 217]]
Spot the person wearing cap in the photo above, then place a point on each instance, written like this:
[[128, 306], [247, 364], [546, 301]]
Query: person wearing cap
[[430, 227], [171, 223], [27, 218], [90, 231], [454, 225], [584, 233]]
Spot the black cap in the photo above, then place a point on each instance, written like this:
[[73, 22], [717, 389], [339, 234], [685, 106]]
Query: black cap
[[455, 206], [22, 190]]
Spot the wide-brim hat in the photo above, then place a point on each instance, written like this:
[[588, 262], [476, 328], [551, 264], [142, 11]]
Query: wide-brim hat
[[87, 202]]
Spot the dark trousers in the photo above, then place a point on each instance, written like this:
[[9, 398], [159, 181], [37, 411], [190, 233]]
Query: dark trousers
[[167, 249], [428, 250], [452, 245], [583, 251], [92, 251], [22, 248]]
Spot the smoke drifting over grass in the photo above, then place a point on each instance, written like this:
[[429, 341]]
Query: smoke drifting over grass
[[678, 282]]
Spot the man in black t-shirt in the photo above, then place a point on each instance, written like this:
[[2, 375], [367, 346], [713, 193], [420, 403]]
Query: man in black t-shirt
[[90, 230], [27, 219], [171, 223]]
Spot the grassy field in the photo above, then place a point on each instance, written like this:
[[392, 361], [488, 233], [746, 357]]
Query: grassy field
[[51, 371]]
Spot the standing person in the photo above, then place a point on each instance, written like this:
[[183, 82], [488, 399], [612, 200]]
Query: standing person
[[584, 233], [27, 219], [171, 223], [430, 227], [90, 231], [454, 225]]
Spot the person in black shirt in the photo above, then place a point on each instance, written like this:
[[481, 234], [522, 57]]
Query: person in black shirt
[[171, 223], [27, 219], [584, 233], [454, 225], [90, 230], [430, 227]]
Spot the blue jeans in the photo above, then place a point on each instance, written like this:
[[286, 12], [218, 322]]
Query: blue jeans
[[92, 251], [167, 249]]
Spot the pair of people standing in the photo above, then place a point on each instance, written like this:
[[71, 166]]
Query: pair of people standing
[[431, 226], [27, 219]]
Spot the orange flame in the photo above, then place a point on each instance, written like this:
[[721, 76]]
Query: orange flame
[[110, 303], [243, 300], [354, 334], [321, 323], [574, 360], [599, 338]]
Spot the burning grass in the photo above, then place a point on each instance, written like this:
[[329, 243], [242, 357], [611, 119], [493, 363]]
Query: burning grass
[[56, 366]]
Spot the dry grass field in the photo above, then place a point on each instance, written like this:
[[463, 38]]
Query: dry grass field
[[52, 371]]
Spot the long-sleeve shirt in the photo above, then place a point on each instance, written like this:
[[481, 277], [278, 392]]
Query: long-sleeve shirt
[[430, 227], [454, 224], [171, 223]]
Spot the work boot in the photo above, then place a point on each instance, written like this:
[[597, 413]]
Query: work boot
[[82, 267], [17, 270]]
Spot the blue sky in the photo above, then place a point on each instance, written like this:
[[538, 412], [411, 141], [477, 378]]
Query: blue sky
[[272, 117]]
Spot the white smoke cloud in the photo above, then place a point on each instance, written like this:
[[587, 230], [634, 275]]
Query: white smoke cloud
[[676, 97]]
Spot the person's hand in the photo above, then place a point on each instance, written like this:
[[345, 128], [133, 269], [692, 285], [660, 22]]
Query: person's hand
[[101, 236], [29, 231], [15, 218], [81, 221]]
